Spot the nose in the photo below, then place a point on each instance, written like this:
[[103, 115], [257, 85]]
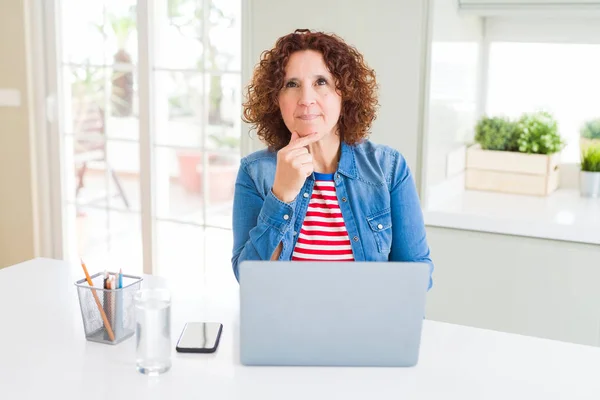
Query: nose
[[307, 96]]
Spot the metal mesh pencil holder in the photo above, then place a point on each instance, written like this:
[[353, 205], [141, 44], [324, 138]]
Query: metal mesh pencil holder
[[108, 315]]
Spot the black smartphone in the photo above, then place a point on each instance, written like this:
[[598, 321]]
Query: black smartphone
[[199, 337]]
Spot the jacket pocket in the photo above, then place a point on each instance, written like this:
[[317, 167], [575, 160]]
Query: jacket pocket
[[381, 226]]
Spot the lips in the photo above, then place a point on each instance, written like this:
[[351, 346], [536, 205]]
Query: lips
[[308, 117]]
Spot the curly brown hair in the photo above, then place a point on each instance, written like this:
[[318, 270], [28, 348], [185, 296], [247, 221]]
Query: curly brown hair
[[354, 80]]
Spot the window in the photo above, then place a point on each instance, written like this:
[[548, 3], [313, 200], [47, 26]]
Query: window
[[194, 66], [527, 63], [561, 78]]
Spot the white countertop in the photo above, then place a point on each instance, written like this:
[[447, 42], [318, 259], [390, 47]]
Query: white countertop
[[564, 215], [43, 354]]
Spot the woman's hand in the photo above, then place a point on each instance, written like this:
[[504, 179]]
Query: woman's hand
[[294, 164]]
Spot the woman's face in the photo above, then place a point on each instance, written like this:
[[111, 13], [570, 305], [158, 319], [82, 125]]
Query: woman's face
[[308, 100]]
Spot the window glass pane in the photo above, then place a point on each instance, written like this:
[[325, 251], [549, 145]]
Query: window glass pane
[[84, 100], [180, 35], [224, 110], [120, 31], [87, 181], [179, 108], [106, 239], [88, 91], [225, 36], [102, 174], [179, 186], [98, 32], [122, 170], [221, 175], [181, 183], [560, 78], [82, 31]]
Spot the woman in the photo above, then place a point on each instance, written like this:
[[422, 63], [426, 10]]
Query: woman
[[321, 191]]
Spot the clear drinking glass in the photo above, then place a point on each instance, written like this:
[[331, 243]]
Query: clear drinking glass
[[153, 331]]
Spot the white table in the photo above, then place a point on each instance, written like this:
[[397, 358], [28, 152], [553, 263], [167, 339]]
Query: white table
[[44, 354]]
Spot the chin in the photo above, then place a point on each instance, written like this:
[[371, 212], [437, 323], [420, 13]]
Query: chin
[[303, 133], [304, 130]]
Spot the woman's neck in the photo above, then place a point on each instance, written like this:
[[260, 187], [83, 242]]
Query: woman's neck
[[326, 154]]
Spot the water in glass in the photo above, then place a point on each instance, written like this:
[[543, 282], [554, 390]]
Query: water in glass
[[153, 331]]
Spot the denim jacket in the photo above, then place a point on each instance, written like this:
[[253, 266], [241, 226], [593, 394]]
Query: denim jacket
[[376, 194]]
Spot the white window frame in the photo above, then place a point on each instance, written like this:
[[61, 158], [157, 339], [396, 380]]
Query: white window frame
[[42, 112]]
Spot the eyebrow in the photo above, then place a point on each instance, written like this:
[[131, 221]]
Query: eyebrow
[[317, 76]]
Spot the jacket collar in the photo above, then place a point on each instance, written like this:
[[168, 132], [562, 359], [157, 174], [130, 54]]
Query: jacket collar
[[347, 164]]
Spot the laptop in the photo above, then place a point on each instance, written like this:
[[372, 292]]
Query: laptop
[[332, 313]]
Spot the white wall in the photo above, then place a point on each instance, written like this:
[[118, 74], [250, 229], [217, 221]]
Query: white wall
[[389, 34], [17, 192]]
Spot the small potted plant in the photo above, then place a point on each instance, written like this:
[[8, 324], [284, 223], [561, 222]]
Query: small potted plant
[[589, 178], [538, 134], [497, 133], [589, 134]]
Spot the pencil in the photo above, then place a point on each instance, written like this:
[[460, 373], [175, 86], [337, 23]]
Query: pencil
[[111, 335]]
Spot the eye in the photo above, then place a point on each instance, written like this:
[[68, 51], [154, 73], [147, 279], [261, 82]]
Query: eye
[[321, 81], [291, 84]]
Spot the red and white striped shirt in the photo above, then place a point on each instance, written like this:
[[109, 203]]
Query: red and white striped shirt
[[323, 236]]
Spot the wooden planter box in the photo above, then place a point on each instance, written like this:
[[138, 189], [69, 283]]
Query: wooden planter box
[[511, 172]]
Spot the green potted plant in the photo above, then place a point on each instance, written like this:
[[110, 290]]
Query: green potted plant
[[515, 156], [538, 134], [589, 178], [589, 135], [497, 133]]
